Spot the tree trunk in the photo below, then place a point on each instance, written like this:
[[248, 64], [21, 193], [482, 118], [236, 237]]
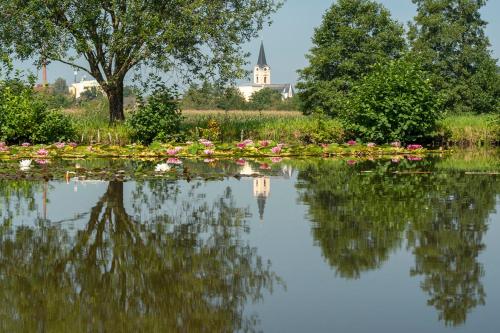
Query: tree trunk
[[115, 98]]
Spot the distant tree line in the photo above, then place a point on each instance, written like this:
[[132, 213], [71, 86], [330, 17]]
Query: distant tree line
[[210, 96]]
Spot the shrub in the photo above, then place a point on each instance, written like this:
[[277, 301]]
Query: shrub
[[157, 120], [395, 102], [25, 117]]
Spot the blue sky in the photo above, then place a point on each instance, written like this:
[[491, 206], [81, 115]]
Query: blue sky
[[288, 39]]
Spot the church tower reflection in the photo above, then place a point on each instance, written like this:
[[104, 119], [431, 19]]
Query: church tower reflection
[[261, 190]]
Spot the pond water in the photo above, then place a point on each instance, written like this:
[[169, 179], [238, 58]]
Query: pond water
[[299, 246]]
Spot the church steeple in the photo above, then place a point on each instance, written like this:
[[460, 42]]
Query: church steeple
[[262, 71], [262, 62]]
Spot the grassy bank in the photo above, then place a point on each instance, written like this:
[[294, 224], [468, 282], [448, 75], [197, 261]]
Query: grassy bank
[[292, 127]]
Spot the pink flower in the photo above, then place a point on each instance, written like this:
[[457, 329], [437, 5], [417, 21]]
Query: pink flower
[[324, 145], [2, 144], [206, 143], [395, 160], [171, 152], [26, 144], [241, 145], [42, 162], [276, 150], [414, 147], [174, 161], [4, 149], [264, 143], [276, 159], [178, 149], [414, 158], [370, 144], [42, 152], [73, 144], [208, 152], [351, 142], [60, 145], [240, 162], [396, 144], [248, 142], [351, 162]]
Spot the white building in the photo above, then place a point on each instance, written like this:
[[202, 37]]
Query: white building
[[262, 79], [76, 89]]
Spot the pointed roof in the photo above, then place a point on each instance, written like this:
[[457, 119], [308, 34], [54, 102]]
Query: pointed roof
[[262, 56]]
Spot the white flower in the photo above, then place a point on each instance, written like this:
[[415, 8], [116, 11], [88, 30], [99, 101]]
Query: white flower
[[163, 167], [25, 165]]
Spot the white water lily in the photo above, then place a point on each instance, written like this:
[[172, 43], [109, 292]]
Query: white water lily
[[25, 165], [163, 167]]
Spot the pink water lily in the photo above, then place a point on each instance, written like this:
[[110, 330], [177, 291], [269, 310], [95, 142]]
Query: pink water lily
[[26, 144], [241, 145], [172, 152], [4, 149], [248, 142], [371, 144], [59, 145], [73, 144], [208, 152], [42, 152], [264, 143], [414, 147], [206, 143], [351, 142], [276, 150], [414, 158], [396, 144]]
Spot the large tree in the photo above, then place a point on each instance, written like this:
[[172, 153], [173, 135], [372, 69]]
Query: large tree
[[448, 37], [199, 37], [354, 35]]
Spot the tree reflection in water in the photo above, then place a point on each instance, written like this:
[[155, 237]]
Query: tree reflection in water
[[360, 218], [185, 272]]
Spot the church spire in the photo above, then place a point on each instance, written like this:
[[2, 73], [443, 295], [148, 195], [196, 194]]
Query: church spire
[[262, 56]]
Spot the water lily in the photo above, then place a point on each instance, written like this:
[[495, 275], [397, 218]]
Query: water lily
[[241, 145], [42, 152], [276, 150], [25, 165], [351, 142], [59, 145], [4, 149], [174, 161], [396, 144], [208, 152], [248, 142], [171, 152], [371, 144], [264, 143], [206, 143], [414, 147], [414, 158], [162, 167], [26, 144], [42, 161], [351, 162], [73, 144]]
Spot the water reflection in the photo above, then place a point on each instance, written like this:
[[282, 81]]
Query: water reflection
[[184, 271], [359, 219]]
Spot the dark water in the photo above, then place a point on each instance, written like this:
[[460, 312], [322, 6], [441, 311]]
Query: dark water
[[309, 246]]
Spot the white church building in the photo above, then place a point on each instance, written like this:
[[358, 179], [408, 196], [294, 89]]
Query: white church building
[[262, 79]]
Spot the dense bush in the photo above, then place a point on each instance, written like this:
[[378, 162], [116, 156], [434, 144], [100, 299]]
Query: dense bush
[[24, 117], [159, 119], [394, 102]]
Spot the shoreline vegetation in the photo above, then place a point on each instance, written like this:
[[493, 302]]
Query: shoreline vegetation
[[291, 127]]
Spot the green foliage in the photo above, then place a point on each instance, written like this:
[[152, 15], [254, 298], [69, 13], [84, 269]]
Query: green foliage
[[395, 102], [201, 37], [448, 36], [210, 96], [157, 120], [354, 35], [26, 118], [265, 98]]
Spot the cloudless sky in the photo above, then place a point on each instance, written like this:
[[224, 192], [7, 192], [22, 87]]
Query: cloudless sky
[[288, 39]]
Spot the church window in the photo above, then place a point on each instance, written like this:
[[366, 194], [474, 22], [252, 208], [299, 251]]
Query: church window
[[265, 79]]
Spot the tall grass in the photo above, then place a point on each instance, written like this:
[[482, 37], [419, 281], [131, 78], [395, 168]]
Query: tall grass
[[91, 121], [470, 130]]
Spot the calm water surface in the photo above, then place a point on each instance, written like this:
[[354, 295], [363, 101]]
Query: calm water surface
[[307, 246]]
